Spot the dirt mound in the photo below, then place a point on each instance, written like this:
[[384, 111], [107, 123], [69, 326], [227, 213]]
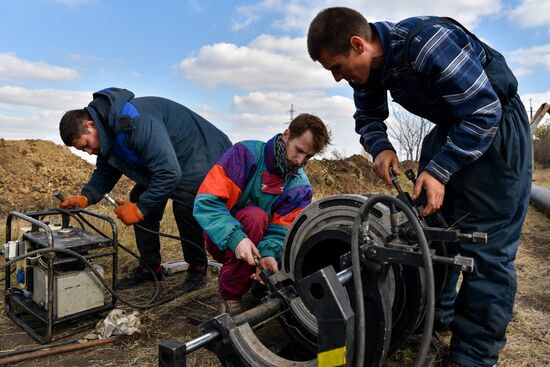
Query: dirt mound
[[336, 176], [30, 170]]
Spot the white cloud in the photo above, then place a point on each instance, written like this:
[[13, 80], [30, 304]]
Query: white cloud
[[531, 13], [534, 101], [521, 71], [296, 15], [73, 3], [530, 57], [42, 125], [250, 14], [14, 68], [81, 58], [267, 62], [50, 99], [35, 113], [270, 62], [260, 115]]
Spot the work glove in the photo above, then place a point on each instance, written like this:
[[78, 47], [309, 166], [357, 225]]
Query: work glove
[[128, 212], [74, 201]]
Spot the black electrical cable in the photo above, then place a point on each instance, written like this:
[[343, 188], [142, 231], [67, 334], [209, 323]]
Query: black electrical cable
[[173, 296], [82, 259], [11, 272], [150, 303], [201, 248], [361, 217]]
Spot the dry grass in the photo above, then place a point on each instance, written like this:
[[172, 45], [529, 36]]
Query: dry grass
[[528, 333], [541, 176]]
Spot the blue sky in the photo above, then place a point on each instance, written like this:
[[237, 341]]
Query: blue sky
[[241, 64]]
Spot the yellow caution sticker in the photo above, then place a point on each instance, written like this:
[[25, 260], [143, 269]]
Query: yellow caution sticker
[[332, 358]]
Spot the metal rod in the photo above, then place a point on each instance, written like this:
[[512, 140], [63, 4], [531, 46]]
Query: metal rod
[[202, 340], [56, 350], [345, 275]]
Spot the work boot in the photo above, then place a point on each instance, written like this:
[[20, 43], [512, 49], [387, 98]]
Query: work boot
[[233, 307], [196, 277], [140, 275]]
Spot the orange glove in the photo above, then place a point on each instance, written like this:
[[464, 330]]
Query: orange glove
[[128, 212], [74, 201]]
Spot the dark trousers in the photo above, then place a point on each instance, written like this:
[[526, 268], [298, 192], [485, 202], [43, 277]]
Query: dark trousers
[[489, 195], [148, 243], [234, 279]]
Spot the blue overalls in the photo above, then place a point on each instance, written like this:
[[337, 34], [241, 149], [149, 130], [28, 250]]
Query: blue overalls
[[489, 195]]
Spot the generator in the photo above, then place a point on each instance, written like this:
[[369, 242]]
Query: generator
[[56, 281]]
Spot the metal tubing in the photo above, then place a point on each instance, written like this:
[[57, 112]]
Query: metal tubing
[[201, 341], [540, 198], [345, 276]]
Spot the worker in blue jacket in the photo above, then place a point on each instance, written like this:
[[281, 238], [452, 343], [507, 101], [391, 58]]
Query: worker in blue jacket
[[164, 147], [475, 163]]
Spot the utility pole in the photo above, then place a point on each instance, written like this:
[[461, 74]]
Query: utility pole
[[291, 112], [531, 108]]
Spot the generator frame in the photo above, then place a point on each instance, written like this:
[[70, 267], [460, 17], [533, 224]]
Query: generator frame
[[22, 309]]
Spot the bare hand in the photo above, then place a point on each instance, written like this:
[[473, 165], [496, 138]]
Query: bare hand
[[385, 160], [435, 192], [268, 263], [246, 250]]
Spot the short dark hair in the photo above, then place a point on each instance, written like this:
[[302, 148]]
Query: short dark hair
[[73, 125], [304, 122], [332, 29]]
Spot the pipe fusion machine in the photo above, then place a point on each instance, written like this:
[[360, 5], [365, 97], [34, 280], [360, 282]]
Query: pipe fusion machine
[[360, 275]]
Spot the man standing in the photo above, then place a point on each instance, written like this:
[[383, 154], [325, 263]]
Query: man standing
[[475, 163], [250, 198], [164, 147]]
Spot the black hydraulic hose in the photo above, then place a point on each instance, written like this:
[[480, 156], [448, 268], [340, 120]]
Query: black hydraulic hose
[[11, 272], [362, 216], [83, 260], [81, 220], [151, 302]]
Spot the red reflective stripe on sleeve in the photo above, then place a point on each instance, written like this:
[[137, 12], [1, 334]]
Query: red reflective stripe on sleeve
[[217, 183], [286, 220]]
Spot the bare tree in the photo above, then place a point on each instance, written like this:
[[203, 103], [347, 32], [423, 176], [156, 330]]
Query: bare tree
[[408, 130]]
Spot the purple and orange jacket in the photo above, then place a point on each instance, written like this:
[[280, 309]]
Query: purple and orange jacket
[[249, 174]]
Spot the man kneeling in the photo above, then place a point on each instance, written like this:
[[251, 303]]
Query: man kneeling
[[249, 199]]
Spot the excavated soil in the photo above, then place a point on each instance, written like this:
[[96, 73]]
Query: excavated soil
[[31, 169]]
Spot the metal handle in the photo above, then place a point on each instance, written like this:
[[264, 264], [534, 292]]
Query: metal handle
[[58, 195], [110, 200]]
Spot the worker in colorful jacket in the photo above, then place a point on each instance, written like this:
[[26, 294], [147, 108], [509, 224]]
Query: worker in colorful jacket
[[475, 163], [249, 199], [164, 147]]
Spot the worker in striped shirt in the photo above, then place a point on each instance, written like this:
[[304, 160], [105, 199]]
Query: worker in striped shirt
[[475, 164]]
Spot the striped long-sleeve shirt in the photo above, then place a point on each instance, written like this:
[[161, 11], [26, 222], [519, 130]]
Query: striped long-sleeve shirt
[[452, 64]]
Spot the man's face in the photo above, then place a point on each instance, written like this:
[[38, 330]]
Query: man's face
[[299, 149], [354, 67], [88, 142]]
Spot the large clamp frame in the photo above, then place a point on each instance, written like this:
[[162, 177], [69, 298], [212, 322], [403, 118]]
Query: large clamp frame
[[315, 297]]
